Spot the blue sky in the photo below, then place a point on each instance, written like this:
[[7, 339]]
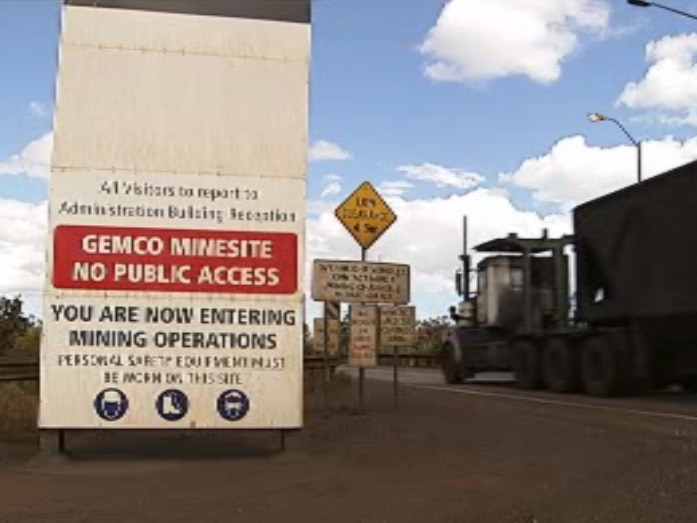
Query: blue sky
[[370, 95], [509, 94]]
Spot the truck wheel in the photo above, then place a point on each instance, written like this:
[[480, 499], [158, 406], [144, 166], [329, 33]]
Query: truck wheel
[[688, 383], [600, 367], [562, 364], [528, 364], [451, 368]]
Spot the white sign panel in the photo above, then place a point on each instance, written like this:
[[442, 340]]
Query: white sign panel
[[363, 336], [174, 284], [397, 327], [360, 282]]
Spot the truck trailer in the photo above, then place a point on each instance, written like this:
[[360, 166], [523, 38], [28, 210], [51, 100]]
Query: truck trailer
[[634, 324]]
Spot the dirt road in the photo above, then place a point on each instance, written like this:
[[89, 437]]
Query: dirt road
[[445, 456]]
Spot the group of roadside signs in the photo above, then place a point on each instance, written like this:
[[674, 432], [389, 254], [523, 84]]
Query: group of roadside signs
[[378, 293], [373, 329]]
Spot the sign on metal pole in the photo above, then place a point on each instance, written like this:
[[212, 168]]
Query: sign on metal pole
[[332, 336], [397, 326], [397, 330], [363, 336], [360, 282], [174, 288], [365, 215]]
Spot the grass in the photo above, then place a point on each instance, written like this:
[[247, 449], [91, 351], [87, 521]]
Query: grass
[[18, 409]]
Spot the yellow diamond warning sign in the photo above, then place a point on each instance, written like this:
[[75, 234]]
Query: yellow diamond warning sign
[[365, 215]]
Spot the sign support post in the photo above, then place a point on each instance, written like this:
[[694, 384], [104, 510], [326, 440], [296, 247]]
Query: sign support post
[[52, 442], [397, 329], [395, 363], [361, 370], [330, 342], [325, 352]]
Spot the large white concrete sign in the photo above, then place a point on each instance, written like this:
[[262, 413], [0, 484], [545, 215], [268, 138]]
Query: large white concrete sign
[[175, 261]]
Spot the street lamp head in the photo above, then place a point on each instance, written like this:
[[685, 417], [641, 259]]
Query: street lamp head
[[639, 3], [596, 117]]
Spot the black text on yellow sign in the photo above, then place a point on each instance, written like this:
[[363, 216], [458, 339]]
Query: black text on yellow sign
[[365, 215]]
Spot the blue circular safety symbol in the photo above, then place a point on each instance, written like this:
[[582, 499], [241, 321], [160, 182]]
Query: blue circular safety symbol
[[233, 405], [172, 405], [111, 404]]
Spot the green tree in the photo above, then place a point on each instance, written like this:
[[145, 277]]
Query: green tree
[[31, 340], [429, 333], [13, 322]]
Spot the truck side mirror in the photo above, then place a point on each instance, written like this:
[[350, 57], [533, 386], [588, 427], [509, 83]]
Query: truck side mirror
[[458, 283]]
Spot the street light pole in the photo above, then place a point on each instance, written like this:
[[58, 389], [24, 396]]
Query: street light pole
[[646, 3], [597, 117]]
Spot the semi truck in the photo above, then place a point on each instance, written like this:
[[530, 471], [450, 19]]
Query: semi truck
[[632, 323]]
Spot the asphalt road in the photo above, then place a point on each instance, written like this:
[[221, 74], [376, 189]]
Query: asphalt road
[[482, 452], [667, 404]]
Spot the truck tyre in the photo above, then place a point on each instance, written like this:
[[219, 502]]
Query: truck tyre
[[600, 367], [451, 367], [561, 363], [528, 363], [688, 383]]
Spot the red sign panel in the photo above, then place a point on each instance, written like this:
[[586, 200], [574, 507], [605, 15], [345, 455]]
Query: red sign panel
[[174, 260]]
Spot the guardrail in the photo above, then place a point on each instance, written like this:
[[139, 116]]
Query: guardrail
[[429, 360], [19, 368], [416, 359], [26, 367]]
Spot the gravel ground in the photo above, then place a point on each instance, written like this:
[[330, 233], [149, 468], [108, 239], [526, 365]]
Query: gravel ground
[[441, 457]]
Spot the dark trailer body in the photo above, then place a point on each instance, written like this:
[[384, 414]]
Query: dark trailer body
[[638, 247], [635, 324], [636, 252]]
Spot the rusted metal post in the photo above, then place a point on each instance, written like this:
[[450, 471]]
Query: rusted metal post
[[52, 442], [361, 370], [325, 353], [395, 368]]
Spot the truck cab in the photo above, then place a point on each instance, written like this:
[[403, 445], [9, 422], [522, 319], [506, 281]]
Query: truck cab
[[522, 290]]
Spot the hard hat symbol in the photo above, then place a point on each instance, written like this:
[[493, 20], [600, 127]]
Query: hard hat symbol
[[111, 404]]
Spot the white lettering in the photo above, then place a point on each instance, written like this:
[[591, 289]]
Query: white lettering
[[219, 248], [115, 244]]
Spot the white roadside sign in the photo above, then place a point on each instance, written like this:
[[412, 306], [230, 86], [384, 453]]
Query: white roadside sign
[[360, 282], [363, 336], [397, 327], [173, 296]]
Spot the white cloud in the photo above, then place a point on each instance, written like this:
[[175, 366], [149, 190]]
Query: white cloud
[[37, 109], [22, 248], [332, 185], [573, 172], [394, 187], [323, 150], [34, 160], [670, 83], [331, 189], [442, 176], [477, 40]]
